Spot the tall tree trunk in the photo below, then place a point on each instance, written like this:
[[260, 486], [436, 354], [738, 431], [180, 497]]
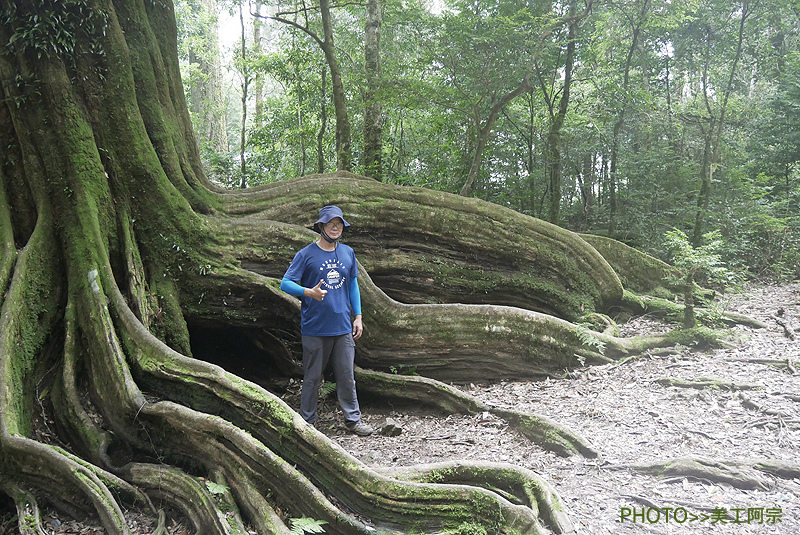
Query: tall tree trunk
[[207, 99], [245, 71], [485, 130], [713, 144], [553, 165], [373, 109], [620, 122], [343, 143], [323, 120], [344, 149], [258, 85]]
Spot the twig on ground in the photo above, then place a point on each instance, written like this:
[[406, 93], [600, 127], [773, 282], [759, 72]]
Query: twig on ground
[[783, 319]]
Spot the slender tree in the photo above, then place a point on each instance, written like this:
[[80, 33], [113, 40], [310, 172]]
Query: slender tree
[[717, 79], [373, 109], [557, 105], [199, 32], [301, 18], [246, 72]]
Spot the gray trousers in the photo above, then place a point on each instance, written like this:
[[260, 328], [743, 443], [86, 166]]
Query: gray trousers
[[340, 351]]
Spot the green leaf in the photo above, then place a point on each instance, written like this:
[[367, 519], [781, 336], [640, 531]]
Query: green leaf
[[216, 488], [307, 525]]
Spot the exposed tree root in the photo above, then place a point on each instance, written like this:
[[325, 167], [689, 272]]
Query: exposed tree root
[[672, 311], [747, 478], [518, 485], [29, 520], [164, 483], [258, 418], [453, 342], [702, 383], [782, 469], [107, 187], [417, 391], [421, 245]]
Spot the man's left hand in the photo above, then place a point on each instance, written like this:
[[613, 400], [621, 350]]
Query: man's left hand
[[358, 328]]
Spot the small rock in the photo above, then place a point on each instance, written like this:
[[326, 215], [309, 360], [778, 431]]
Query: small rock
[[391, 428]]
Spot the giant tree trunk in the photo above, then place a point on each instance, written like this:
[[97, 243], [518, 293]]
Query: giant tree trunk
[[117, 256]]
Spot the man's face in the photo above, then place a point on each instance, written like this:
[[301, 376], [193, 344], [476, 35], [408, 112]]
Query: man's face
[[334, 228]]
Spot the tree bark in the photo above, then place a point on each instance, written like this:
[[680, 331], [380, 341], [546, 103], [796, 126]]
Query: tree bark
[[373, 112], [344, 149], [116, 253], [552, 152]]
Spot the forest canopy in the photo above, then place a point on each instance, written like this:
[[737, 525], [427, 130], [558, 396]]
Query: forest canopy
[[666, 110]]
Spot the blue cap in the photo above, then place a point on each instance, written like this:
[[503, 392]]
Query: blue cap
[[327, 213]]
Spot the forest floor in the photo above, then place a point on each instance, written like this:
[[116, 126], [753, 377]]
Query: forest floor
[[632, 418]]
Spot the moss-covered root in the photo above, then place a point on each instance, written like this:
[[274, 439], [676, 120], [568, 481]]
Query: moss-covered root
[[548, 433], [520, 486], [83, 432], [418, 390], [46, 468], [186, 493], [29, 519], [472, 252], [741, 478], [673, 311], [638, 271], [782, 469], [8, 251], [265, 449], [249, 468]]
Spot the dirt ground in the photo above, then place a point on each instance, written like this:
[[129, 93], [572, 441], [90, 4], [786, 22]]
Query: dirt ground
[[631, 419]]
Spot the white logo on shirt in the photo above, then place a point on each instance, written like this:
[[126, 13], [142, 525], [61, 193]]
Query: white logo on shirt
[[333, 278]]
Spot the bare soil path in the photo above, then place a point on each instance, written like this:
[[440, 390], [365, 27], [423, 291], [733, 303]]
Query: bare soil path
[[737, 406]]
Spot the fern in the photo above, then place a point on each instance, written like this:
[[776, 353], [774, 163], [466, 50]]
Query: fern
[[588, 339], [216, 488], [306, 525], [328, 388]]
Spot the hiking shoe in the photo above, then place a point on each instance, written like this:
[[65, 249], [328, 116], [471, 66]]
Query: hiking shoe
[[359, 428]]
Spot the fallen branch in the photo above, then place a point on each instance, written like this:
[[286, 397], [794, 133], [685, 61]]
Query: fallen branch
[[746, 478], [783, 319], [703, 383]]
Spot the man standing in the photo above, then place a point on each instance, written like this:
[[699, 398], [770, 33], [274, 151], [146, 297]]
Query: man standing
[[323, 274]]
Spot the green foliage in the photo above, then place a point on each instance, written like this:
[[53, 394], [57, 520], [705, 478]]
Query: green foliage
[[704, 260], [328, 388], [443, 70], [590, 340], [48, 28], [470, 528], [215, 488], [306, 525], [403, 370]]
